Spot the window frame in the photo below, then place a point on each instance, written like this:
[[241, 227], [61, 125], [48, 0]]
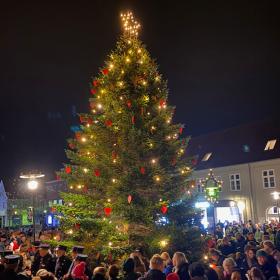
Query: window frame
[[268, 176], [198, 182], [234, 180]]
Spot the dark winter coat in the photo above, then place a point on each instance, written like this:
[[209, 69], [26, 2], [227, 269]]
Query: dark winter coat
[[153, 274], [183, 272], [269, 270], [132, 276], [240, 244]]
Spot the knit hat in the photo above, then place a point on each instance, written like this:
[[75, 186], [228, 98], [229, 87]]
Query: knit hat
[[172, 276], [261, 253]]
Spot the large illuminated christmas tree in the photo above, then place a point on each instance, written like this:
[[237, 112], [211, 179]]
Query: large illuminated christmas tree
[[127, 176]]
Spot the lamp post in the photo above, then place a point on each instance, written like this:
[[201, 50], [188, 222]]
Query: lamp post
[[212, 188], [32, 185], [276, 196]]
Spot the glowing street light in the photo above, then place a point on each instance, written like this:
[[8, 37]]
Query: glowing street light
[[32, 185]]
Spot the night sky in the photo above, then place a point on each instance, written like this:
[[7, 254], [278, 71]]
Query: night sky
[[221, 61]]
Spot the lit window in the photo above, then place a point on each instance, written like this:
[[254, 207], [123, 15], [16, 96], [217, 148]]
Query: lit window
[[268, 178], [270, 145], [206, 156], [235, 182]]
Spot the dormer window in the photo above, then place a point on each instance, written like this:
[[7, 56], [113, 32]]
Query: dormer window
[[270, 145], [207, 156]]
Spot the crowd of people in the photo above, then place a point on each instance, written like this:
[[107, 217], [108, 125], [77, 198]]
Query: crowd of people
[[232, 252]]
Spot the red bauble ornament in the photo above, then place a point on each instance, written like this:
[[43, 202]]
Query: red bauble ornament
[[108, 123], [133, 119], [97, 172], [129, 199], [71, 146], [105, 71], [93, 91], [163, 209], [162, 102], [89, 121], [128, 103], [181, 130], [95, 83], [142, 170], [77, 226], [78, 135], [107, 211], [68, 169]]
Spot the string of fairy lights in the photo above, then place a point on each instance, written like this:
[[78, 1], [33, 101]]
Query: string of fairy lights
[[135, 54]]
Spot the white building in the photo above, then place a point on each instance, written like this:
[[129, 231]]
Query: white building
[[3, 206], [247, 160]]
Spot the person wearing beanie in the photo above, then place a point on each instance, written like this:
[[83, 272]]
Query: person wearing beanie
[[267, 267]]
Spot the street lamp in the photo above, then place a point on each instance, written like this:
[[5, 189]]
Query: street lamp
[[276, 196], [32, 185]]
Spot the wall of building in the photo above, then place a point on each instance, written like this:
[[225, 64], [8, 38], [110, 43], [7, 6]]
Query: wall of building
[[257, 199]]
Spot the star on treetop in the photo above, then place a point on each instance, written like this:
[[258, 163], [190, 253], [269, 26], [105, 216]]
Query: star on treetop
[[129, 24]]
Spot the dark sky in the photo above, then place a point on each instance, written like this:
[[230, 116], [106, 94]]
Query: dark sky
[[221, 60]]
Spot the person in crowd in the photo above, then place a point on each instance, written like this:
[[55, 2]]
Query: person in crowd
[[240, 242], [44, 260], [229, 265], [197, 272], [129, 270], [10, 268], [172, 276], [79, 269], [75, 251], [156, 269], [268, 246], [168, 265], [140, 254], [43, 274], [248, 261], [216, 257], [113, 272], [227, 248], [258, 233], [251, 239], [268, 268], [181, 265], [277, 239], [236, 275], [99, 273], [255, 274], [139, 265], [62, 262]]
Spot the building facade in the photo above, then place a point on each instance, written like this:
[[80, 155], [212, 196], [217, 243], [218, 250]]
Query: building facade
[[3, 206], [247, 160]]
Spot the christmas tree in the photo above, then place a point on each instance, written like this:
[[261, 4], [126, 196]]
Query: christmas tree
[[128, 177]]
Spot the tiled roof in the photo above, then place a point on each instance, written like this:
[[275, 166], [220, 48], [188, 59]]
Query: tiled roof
[[236, 145]]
